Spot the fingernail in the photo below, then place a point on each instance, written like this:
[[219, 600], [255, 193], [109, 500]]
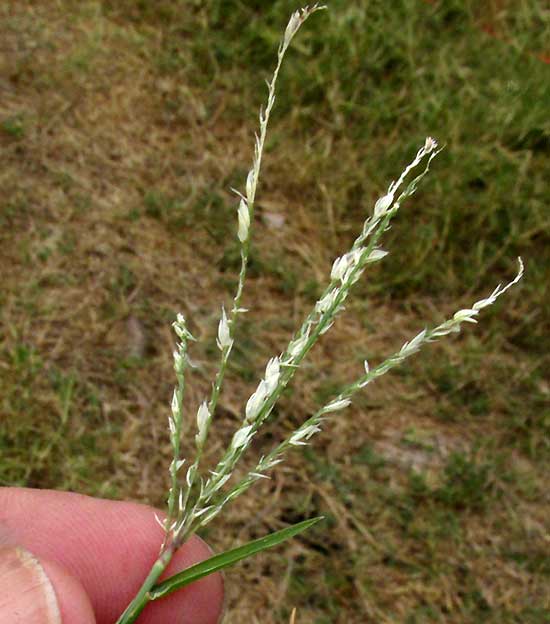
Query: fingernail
[[26, 593]]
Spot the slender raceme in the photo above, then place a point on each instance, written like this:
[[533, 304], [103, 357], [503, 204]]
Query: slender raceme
[[226, 327]]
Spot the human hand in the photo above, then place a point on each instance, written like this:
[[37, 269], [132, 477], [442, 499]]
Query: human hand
[[71, 559]]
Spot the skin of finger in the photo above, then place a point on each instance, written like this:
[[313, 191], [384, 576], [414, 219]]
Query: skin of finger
[[109, 547]]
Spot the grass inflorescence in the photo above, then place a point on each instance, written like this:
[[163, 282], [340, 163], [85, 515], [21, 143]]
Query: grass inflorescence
[[89, 289]]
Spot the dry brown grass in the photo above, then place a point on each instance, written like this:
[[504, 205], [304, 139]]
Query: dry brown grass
[[116, 215]]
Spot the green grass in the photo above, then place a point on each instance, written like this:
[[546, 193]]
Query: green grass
[[116, 205], [372, 75], [13, 126], [42, 418]]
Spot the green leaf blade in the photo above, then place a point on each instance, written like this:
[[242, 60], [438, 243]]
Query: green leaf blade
[[228, 558]]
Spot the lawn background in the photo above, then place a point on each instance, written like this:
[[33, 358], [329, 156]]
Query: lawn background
[[123, 125]]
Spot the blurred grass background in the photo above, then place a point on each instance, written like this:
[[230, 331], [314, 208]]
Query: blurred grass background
[[122, 127]]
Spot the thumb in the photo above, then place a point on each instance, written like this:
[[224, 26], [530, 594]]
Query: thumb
[[39, 592]]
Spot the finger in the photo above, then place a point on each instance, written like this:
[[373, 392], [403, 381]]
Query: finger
[[39, 592], [109, 547]]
